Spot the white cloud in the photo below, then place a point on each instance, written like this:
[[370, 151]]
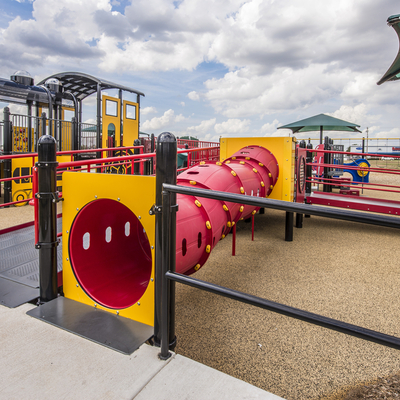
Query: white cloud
[[90, 121], [233, 125], [17, 108], [193, 95], [356, 114], [243, 93], [270, 128], [202, 130], [165, 121], [148, 110]]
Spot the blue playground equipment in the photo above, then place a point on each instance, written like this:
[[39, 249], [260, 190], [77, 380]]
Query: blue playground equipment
[[359, 175]]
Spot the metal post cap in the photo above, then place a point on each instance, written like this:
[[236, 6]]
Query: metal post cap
[[47, 148], [166, 137]]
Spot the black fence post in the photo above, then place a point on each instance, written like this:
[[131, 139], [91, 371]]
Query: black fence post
[[47, 200], [7, 150], [326, 187], [165, 284], [299, 216], [43, 121], [29, 104], [152, 149], [289, 226], [166, 166], [74, 135], [136, 164]]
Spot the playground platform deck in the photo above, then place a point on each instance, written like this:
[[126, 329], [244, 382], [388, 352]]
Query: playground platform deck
[[19, 265], [355, 202], [40, 361]]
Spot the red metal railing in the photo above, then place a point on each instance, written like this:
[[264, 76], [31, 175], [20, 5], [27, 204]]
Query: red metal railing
[[101, 164], [326, 176]]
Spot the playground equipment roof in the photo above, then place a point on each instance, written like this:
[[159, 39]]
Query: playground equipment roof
[[79, 84], [393, 73], [83, 85], [319, 123]]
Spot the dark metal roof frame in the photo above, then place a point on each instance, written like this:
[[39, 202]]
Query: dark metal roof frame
[[83, 85]]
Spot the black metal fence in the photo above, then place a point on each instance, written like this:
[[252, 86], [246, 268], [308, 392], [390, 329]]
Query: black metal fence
[[26, 130], [166, 247]]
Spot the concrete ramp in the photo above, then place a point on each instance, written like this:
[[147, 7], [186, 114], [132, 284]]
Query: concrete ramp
[[40, 361]]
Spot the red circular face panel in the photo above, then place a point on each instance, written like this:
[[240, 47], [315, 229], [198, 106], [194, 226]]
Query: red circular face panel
[[110, 253]]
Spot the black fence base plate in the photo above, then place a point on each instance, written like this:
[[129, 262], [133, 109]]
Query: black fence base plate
[[110, 330]]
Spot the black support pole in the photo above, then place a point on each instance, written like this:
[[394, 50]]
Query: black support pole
[[29, 104], [47, 199], [299, 220], [299, 217], [326, 188], [74, 135], [7, 150], [166, 165], [165, 284], [289, 227], [309, 169], [152, 148], [98, 122], [136, 165]]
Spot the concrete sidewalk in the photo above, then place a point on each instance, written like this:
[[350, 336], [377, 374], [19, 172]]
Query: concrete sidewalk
[[40, 361]]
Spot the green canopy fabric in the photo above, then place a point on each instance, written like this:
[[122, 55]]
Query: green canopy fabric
[[393, 73], [320, 123]]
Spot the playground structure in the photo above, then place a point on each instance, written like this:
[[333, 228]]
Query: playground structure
[[127, 238], [359, 175], [115, 239], [63, 95], [90, 244]]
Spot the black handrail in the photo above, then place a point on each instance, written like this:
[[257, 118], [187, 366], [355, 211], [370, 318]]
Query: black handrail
[[347, 215], [316, 319]]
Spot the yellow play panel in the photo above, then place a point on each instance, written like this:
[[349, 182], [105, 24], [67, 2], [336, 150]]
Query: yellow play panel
[[108, 243]]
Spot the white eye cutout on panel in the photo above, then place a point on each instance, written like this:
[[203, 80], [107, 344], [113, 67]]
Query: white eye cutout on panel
[[86, 240], [127, 229], [108, 234]]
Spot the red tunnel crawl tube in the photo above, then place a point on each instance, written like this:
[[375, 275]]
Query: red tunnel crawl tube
[[201, 222]]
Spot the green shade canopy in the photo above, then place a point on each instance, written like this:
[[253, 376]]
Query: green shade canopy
[[321, 122], [393, 73]]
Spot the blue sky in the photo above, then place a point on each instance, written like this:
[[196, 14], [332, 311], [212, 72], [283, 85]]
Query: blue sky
[[211, 69]]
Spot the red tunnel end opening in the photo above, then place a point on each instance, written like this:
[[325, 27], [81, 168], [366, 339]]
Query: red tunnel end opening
[[110, 253]]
